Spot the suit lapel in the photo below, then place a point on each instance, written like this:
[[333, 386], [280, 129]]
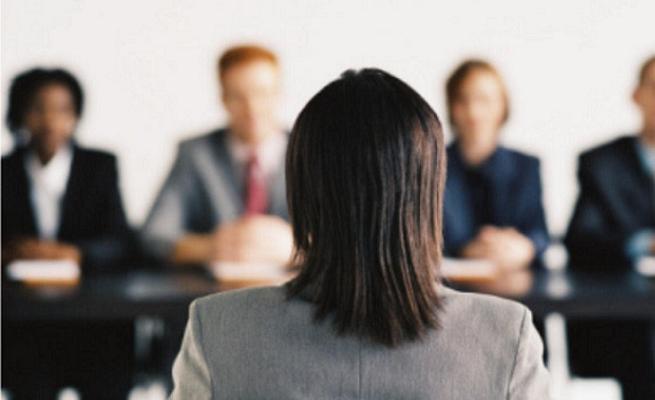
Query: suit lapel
[[277, 194], [70, 204], [458, 210], [23, 200], [501, 175], [638, 183], [228, 183], [277, 190]]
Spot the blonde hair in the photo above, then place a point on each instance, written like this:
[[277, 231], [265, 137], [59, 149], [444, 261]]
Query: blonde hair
[[461, 73]]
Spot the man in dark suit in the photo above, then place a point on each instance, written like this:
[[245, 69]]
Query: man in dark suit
[[61, 201], [613, 225]]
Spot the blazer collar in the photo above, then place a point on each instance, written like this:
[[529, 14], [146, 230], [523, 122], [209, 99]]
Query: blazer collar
[[496, 166], [76, 183]]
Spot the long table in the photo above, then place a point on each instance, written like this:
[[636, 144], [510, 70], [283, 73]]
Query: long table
[[163, 294], [166, 293]]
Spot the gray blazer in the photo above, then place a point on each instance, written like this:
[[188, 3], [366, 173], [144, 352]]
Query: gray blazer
[[203, 190], [255, 344]]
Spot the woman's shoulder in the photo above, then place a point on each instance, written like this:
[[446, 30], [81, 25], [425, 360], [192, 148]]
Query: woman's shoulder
[[468, 299], [489, 312], [500, 339], [237, 303], [484, 313], [456, 300]]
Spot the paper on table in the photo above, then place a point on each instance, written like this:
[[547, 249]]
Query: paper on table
[[250, 274], [43, 271], [646, 266], [264, 273], [468, 269]]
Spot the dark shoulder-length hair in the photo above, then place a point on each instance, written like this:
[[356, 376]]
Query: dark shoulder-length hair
[[365, 174], [25, 86]]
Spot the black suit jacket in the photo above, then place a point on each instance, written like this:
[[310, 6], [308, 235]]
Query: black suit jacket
[[92, 215], [616, 200], [515, 198]]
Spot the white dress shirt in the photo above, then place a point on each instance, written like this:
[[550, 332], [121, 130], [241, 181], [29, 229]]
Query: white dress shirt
[[47, 188], [270, 152]]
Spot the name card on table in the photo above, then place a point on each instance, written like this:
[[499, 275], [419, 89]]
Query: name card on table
[[239, 275], [44, 272], [646, 266]]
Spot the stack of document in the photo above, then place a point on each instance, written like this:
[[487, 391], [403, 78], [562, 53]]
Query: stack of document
[[468, 270], [234, 274], [44, 271]]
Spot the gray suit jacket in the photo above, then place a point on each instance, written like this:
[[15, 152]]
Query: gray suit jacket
[[255, 344], [203, 190]]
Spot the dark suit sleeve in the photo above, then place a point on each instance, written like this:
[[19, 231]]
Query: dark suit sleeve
[[591, 240], [113, 242], [532, 216]]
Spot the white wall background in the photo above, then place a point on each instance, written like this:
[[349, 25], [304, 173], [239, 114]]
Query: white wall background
[[148, 67]]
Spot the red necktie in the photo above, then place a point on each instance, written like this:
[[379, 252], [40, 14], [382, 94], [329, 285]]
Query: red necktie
[[256, 196]]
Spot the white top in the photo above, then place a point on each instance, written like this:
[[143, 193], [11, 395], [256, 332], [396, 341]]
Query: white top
[[48, 186]]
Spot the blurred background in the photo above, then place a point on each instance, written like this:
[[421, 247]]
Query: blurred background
[[148, 68]]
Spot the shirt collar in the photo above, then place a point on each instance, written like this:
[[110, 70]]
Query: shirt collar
[[270, 152], [52, 176], [486, 167]]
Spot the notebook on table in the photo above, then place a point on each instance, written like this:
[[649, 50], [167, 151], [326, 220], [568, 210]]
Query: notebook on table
[[44, 272]]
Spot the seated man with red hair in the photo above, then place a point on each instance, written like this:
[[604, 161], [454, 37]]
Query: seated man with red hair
[[224, 199]]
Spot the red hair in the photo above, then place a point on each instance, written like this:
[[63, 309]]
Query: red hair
[[644, 69], [243, 54]]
